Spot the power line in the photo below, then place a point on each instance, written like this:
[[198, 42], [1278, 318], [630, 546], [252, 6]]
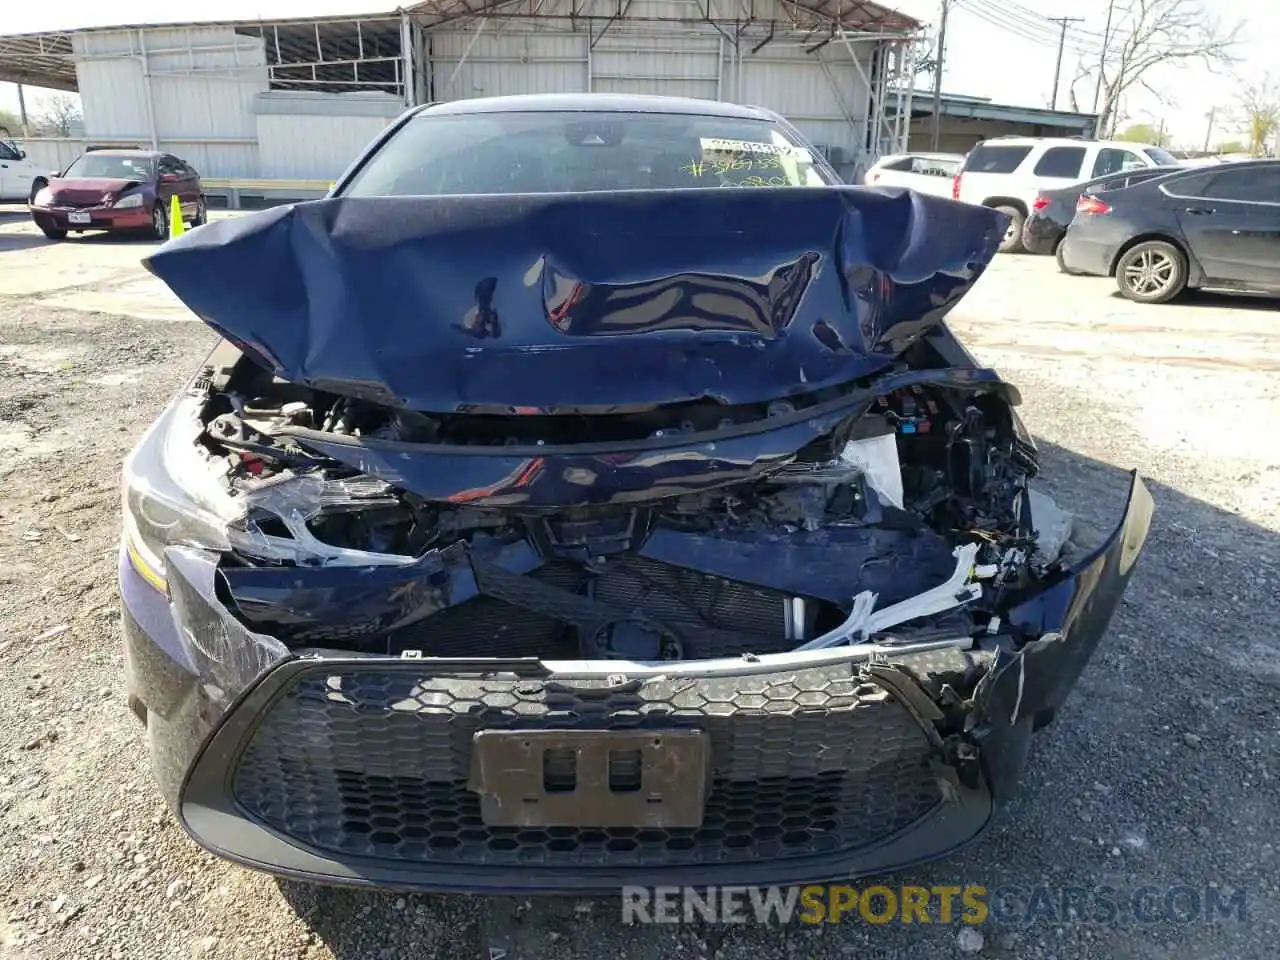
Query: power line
[[1042, 34]]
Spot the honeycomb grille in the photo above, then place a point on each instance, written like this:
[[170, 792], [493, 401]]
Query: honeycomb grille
[[373, 762]]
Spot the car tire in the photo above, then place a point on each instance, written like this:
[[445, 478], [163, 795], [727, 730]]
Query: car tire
[[1012, 242], [202, 214], [1151, 272], [53, 233], [1062, 265], [159, 221]]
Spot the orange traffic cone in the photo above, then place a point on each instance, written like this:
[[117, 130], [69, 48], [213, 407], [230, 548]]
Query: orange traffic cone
[[176, 227]]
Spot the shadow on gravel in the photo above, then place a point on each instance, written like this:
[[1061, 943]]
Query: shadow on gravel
[[1212, 300], [14, 242], [1153, 774]]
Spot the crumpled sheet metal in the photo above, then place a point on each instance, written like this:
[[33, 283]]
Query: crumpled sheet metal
[[596, 302]]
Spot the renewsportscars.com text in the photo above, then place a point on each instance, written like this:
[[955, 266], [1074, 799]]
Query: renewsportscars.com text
[[971, 904]]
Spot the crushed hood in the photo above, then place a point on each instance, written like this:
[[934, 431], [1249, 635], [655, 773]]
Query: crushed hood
[[602, 301]]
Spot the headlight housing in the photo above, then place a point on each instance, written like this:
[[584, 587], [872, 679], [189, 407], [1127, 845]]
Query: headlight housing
[[126, 203], [170, 493], [176, 493], [43, 197]]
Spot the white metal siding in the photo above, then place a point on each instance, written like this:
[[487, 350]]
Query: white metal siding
[[678, 65], [52, 153], [312, 147], [113, 98], [504, 60], [818, 92], [202, 81]]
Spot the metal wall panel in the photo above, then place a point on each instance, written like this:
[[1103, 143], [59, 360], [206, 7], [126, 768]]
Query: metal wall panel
[[681, 63], [505, 59], [202, 82], [818, 92], [311, 147], [52, 153], [113, 97], [217, 159]]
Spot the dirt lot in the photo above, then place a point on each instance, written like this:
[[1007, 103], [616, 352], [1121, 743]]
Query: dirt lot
[[1163, 770]]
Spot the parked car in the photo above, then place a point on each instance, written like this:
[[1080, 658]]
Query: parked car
[[1009, 172], [20, 176], [1053, 210], [551, 518], [1213, 227], [118, 190], [926, 172]]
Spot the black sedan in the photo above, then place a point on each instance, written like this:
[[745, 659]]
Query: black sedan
[[1053, 210], [1217, 227], [553, 518]]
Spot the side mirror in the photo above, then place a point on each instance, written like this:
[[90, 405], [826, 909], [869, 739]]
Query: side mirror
[[55, 175], [22, 154]]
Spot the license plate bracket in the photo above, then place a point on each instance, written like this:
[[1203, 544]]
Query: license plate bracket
[[78, 218], [591, 778]]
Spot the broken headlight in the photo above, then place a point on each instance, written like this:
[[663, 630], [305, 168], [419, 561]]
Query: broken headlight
[[170, 493]]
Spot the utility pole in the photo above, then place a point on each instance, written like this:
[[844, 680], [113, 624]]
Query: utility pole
[[937, 76], [1102, 62], [1208, 133], [22, 112], [1062, 42]]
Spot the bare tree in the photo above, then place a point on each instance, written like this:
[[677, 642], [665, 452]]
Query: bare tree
[[57, 114], [1260, 112], [1146, 34]]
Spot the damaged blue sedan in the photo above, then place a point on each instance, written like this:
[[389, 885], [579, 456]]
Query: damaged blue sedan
[[590, 492]]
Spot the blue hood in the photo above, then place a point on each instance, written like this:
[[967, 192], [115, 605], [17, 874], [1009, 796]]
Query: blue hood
[[591, 303]]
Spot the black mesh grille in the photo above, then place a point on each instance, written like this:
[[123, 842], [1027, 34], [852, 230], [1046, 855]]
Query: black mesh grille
[[374, 762]]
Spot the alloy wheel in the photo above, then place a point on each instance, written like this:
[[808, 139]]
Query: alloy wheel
[[1153, 272]]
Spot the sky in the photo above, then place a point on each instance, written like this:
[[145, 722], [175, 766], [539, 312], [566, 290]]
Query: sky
[[1018, 71]]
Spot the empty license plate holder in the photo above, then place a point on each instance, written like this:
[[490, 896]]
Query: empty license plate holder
[[591, 778]]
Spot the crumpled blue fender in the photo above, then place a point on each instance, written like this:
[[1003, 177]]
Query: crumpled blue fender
[[592, 302]]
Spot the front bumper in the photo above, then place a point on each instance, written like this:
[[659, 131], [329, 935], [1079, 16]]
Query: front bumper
[[357, 769], [100, 218]]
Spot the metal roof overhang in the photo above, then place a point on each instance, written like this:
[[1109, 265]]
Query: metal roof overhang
[[964, 108], [47, 59]]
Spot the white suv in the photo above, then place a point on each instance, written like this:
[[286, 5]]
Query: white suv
[[20, 178], [1008, 172]]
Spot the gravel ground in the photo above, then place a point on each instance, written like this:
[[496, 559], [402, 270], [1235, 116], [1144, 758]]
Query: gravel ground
[[1162, 770]]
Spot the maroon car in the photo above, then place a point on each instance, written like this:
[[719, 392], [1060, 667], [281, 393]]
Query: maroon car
[[118, 190]]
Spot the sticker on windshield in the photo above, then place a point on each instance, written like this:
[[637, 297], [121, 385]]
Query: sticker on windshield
[[713, 147]]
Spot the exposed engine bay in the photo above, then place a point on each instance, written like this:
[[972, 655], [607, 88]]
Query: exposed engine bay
[[908, 523]]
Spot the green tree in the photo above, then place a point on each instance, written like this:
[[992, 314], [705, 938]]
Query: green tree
[[1260, 109], [1232, 146], [1144, 133], [9, 124]]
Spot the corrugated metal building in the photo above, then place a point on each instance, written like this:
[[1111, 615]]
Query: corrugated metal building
[[296, 99]]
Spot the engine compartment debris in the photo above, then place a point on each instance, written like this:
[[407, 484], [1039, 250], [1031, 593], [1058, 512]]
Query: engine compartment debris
[[909, 521]]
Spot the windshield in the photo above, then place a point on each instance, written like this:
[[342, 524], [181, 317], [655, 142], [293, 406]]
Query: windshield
[[111, 167], [574, 152]]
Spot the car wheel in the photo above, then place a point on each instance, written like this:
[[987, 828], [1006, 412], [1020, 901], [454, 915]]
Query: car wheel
[[159, 222], [53, 233], [1012, 242], [1062, 266], [202, 214], [1152, 272]]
